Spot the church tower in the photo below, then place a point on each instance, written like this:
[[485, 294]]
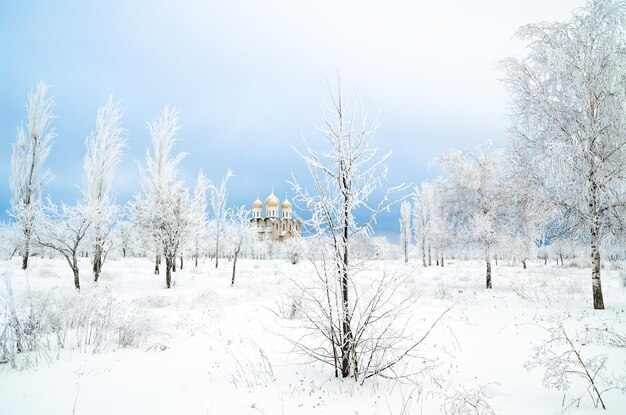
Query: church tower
[[271, 206], [286, 208], [257, 208]]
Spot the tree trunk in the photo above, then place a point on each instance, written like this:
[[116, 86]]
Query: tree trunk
[[347, 345], [181, 262], [75, 270], [423, 251], [124, 252], [232, 281], [561, 255], [217, 242], [26, 250], [405, 247], [157, 261], [598, 300], [168, 271], [174, 264], [442, 260], [429, 258], [97, 256], [524, 263], [488, 261]]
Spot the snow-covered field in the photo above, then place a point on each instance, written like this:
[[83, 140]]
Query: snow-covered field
[[204, 347]]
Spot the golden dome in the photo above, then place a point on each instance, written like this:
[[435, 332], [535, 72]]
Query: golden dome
[[271, 201], [286, 204], [257, 204]]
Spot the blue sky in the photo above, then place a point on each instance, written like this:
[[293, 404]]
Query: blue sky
[[248, 78]]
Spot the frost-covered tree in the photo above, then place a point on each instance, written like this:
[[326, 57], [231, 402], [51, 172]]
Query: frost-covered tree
[[29, 155], [239, 234], [125, 234], [405, 229], [569, 108], [218, 205], [63, 230], [344, 177], [527, 213], [440, 231], [199, 212], [422, 207], [164, 211], [104, 150], [474, 182]]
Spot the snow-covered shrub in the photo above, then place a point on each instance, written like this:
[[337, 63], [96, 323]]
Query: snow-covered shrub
[[467, 402], [133, 329], [245, 364], [567, 364], [21, 329], [43, 324], [289, 306]]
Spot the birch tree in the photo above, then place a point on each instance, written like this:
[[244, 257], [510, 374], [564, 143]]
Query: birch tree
[[199, 209], [344, 177], [475, 184], [405, 229], [422, 206], [104, 151], [218, 205], [569, 108], [239, 234], [29, 155]]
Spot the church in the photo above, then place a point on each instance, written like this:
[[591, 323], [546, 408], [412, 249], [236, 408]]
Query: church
[[272, 227]]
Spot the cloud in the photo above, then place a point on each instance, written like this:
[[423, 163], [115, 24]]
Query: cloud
[[248, 77]]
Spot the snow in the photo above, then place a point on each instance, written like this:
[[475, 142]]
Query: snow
[[216, 349]]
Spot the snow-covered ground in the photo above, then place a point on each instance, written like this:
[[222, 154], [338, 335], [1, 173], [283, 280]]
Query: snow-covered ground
[[204, 347]]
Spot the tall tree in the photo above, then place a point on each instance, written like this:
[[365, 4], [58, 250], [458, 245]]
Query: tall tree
[[405, 229], [422, 207], [164, 210], [218, 205], [104, 150], [199, 209], [569, 109], [29, 155], [474, 182], [344, 176]]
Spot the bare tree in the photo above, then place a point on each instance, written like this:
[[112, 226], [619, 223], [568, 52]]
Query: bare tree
[[218, 205], [344, 176], [62, 230], [104, 150], [561, 356], [405, 229], [29, 155], [422, 206], [569, 109], [239, 234]]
